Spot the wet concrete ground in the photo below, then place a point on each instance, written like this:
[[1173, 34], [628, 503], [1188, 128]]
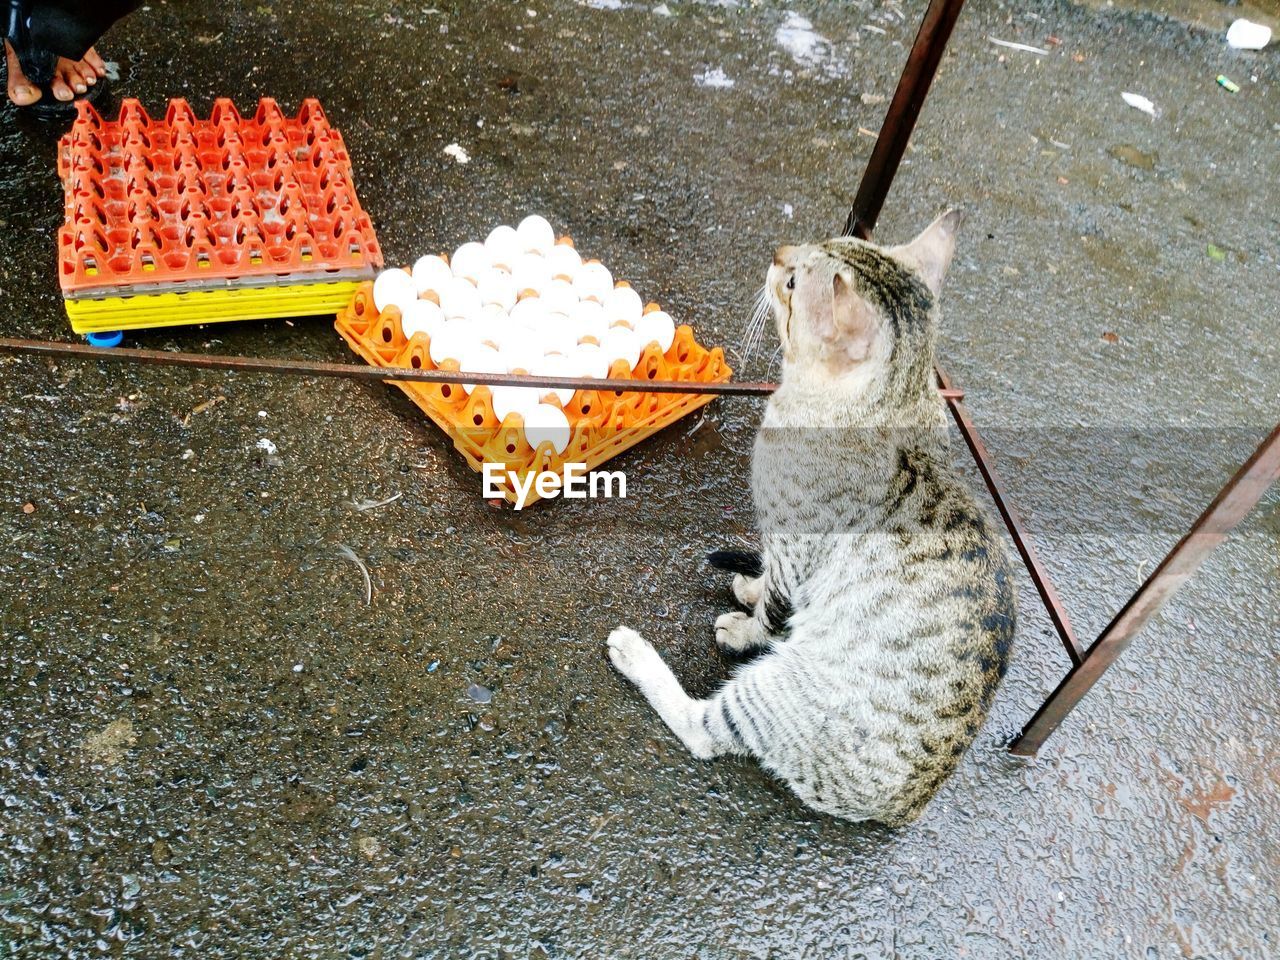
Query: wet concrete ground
[[212, 747]]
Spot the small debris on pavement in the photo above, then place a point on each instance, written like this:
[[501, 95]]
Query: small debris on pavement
[[479, 694], [346, 553], [1111, 337], [1025, 47], [714, 78], [202, 407], [364, 505], [1246, 35], [28, 508], [1139, 102], [267, 445], [1216, 253], [1227, 84], [458, 153]]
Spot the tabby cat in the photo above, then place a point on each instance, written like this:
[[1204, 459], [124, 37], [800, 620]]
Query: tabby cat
[[882, 604]]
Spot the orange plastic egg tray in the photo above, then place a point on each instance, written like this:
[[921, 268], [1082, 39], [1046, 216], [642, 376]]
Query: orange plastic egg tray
[[261, 199], [602, 423]]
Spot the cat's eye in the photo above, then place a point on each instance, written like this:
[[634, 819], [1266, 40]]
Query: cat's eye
[[791, 282]]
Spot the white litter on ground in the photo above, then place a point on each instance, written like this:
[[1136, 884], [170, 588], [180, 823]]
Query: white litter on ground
[[715, 78], [1247, 35], [366, 505], [807, 47], [346, 553], [458, 153], [1139, 102], [1027, 48], [267, 445]]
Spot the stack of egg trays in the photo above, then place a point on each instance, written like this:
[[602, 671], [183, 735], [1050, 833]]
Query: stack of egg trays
[[602, 423], [181, 220]]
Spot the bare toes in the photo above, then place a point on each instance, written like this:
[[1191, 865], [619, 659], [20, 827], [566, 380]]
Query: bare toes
[[98, 65], [70, 75], [21, 91]]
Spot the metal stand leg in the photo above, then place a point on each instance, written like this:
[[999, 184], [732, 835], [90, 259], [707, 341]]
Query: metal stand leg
[[1229, 507], [1236, 499]]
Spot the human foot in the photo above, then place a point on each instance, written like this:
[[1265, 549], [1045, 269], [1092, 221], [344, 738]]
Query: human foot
[[70, 77]]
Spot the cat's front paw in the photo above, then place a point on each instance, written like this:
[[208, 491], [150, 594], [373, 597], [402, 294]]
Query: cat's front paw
[[633, 655], [738, 632]]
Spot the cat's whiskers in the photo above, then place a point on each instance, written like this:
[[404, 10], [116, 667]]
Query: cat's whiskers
[[755, 327]]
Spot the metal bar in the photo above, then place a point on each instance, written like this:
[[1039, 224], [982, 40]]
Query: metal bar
[[900, 120], [312, 368], [1233, 502], [1044, 586]]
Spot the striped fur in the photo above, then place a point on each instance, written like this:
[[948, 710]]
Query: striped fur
[[884, 607]]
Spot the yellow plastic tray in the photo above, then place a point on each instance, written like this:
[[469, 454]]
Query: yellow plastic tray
[[171, 309]]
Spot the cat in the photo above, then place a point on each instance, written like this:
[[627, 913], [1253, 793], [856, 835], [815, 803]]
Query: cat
[[882, 601]]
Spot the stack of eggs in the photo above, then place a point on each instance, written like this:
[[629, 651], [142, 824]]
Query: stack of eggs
[[524, 302]]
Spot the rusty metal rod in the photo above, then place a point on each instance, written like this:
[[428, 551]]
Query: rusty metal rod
[[900, 119], [1233, 502], [1030, 559], [315, 368]]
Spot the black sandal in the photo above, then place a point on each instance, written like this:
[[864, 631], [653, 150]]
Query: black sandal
[[38, 64]]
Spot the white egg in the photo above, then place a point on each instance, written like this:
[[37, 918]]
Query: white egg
[[471, 260], [588, 320], [588, 360], [530, 272], [622, 344], [563, 262], [560, 297], [486, 329], [421, 316], [657, 325], [535, 233], [521, 356], [481, 358], [593, 281], [431, 273], [503, 246], [459, 299], [393, 287], [557, 335], [450, 342], [544, 422], [623, 303], [508, 400], [556, 365], [529, 312], [497, 287]]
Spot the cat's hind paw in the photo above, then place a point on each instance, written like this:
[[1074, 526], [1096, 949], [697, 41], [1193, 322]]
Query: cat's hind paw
[[633, 655]]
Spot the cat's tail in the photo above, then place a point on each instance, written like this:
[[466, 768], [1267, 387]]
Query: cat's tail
[[746, 562]]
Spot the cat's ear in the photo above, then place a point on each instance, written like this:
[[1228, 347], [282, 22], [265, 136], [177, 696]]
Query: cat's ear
[[930, 253], [854, 320]]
